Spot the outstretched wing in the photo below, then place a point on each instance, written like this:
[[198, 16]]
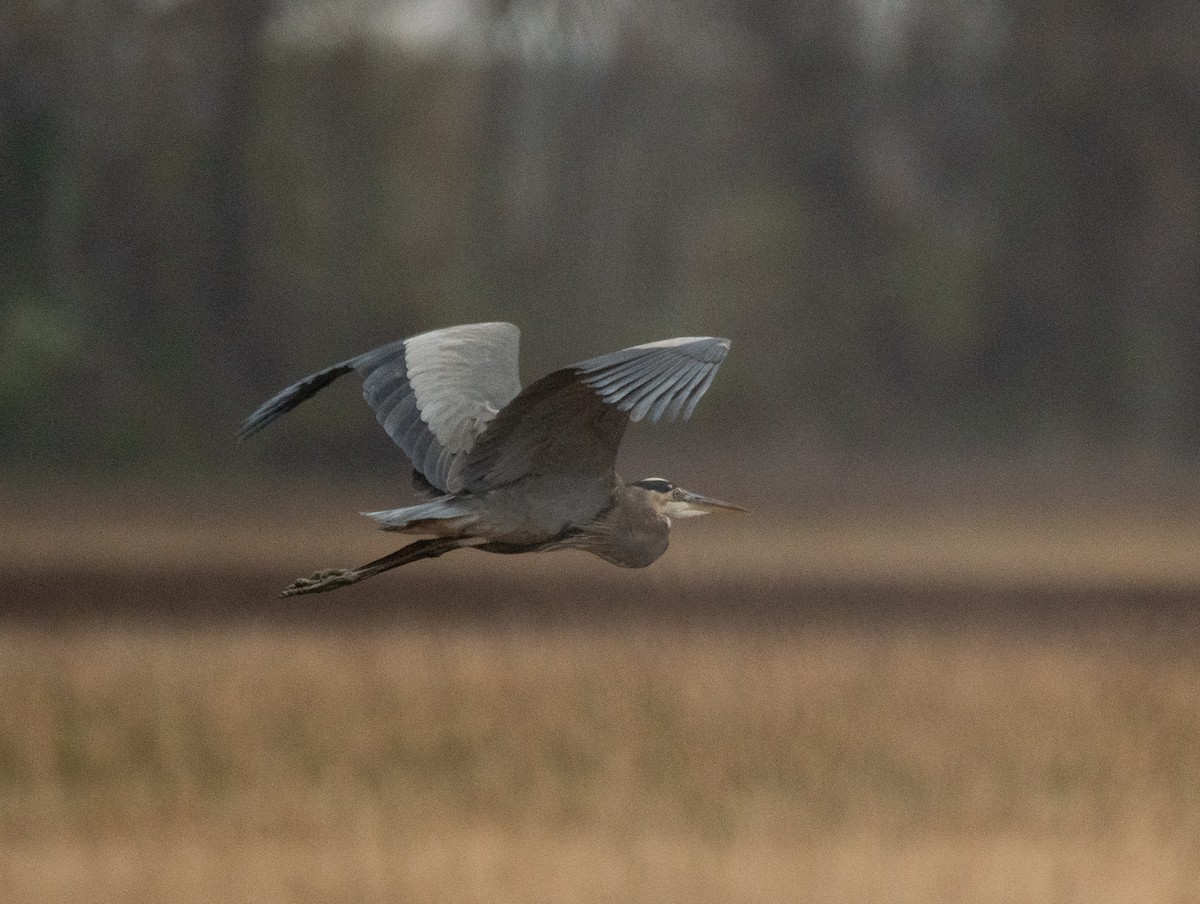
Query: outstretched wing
[[433, 393], [571, 421]]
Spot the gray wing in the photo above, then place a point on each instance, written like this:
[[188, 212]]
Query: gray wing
[[571, 421], [433, 393]]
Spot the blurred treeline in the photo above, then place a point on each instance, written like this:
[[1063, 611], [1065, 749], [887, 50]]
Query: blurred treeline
[[927, 224]]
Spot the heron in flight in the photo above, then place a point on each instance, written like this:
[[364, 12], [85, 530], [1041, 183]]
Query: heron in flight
[[509, 470]]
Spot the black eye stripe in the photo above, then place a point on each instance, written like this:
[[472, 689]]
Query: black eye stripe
[[656, 485]]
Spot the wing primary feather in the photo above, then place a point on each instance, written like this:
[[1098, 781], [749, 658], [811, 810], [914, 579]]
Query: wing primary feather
[[390, 396], [373, 379], [654, 402], [433, 456], [421, 443], [616, 387], [699, 391], [680, 396], [416, 429], [400, 399], [284, 401], [398, 419], [385, 396], [378, 357], [621, 372], [650, 380], [680, 389]]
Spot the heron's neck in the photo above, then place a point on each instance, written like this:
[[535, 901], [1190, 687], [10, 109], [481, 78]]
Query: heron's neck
[[632, 532]]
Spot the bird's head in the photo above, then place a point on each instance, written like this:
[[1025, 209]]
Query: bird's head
[[676, 502]]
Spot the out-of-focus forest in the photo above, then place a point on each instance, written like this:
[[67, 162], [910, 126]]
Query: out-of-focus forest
[[945, 226]]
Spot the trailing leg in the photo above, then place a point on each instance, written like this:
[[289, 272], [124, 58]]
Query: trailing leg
[[333, 578]]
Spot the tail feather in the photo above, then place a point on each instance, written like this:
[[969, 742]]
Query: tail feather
[[452, 510]]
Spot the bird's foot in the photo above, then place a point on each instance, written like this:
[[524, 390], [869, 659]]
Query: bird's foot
[[320, 581]]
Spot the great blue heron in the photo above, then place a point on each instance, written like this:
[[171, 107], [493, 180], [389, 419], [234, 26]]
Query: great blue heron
[[509, 470]]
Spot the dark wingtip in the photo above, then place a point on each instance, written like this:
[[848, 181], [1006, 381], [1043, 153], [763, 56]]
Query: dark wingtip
[[265, 413], [287, 399]]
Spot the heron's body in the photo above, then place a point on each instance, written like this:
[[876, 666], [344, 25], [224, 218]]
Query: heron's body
[[508, 470]]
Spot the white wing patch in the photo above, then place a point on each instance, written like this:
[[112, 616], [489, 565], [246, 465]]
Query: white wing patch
[[436, 392]]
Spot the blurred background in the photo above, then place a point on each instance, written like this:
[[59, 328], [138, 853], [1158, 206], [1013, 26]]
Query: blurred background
[[956, 244], [933, 229]]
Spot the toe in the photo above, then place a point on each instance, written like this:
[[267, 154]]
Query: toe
[[328, 579]]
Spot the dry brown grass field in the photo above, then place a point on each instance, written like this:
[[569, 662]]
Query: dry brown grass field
[[921, 710]]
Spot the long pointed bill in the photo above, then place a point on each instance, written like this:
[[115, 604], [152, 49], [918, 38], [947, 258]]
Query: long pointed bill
[[706, 504]]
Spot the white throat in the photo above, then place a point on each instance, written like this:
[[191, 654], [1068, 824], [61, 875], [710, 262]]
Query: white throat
[[679, 509]]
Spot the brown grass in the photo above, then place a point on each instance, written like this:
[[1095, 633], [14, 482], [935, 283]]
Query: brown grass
[[625, 763], [927, 708]]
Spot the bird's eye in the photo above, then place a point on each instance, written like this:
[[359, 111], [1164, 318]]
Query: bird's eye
[[677, 493]]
